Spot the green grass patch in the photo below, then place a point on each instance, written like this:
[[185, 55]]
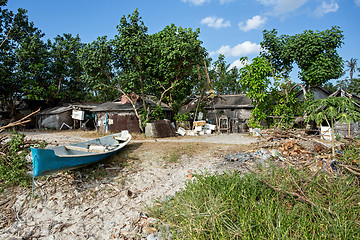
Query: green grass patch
[[234, 206], [350, 153], [172, 157]]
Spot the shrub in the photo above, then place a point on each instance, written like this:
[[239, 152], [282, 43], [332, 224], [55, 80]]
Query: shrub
[[13, 165]]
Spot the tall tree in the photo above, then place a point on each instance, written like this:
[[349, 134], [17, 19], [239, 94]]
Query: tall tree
[[352, 67], [352, 84], [225, 80], [132, 48], [97, 62], [276, 51], [65, 67], [315, 53], [256, 82], [176, 53], [15, 31], [34, 64], [163, 64]]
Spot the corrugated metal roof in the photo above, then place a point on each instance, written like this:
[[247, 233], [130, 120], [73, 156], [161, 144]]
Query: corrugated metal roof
[[55, 110], [67, 107], [231, 101], [113, 106], [117, 106]]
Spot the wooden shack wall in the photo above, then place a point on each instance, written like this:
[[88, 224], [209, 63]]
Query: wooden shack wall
[[241, 113], [342, 129], [237, 118], [118, 122]]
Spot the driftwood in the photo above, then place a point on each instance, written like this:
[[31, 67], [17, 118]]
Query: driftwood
[[19, 122]]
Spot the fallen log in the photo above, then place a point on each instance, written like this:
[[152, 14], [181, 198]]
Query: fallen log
[[19, 122]]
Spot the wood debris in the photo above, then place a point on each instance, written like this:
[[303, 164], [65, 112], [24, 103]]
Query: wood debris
[[298, 148]]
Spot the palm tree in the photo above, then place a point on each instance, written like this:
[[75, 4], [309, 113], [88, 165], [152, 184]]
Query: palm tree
[[352, 67]]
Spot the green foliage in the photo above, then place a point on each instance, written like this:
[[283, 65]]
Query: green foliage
[[352, 84], [181, 117], [234, 206], [65, 67], [277, 52], [352, 67], [13, 166], [283, 104], [331, 110], [17, 35], [255, 80], [330, 87], [223, 79], [96, 60], [34, 69], [130, 54], [350, 154], [314, 53], [34, 59], [157, 113], [176, 53]]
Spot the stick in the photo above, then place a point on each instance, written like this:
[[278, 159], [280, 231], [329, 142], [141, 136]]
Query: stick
[[349, 169]]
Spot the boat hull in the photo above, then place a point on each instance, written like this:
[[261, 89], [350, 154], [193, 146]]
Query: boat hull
[[47, 161]]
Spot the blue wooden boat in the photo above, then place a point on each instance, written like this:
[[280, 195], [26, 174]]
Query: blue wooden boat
[[54, 159]]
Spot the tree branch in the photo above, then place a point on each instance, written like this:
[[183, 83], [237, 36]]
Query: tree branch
[[7, 36], [19, 122]]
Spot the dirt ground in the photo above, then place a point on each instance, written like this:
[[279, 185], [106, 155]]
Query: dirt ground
[[108, 200]]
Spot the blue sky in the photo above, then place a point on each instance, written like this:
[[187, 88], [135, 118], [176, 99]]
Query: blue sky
[[231, 27]]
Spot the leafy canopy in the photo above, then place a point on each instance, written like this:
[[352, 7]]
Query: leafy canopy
[[314, 52]]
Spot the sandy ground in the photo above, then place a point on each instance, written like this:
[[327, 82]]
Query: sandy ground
[[107, 200]]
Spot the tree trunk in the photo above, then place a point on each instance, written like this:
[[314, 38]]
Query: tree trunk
[[133, 104], [207, 76], [332, 138]]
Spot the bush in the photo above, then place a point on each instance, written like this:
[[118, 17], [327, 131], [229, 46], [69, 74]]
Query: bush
[[13, 165]]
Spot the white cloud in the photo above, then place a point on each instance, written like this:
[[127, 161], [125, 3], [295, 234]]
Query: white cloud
[[215, 22], [241, 49], [357, 2], [253, 23], [196, 2], [281, 7], [238, 64], [326, 7]]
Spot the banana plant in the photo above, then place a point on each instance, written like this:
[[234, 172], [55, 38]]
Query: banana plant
[[332, 110]]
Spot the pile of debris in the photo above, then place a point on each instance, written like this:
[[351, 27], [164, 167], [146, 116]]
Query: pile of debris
[[296, 148], [199, 128]]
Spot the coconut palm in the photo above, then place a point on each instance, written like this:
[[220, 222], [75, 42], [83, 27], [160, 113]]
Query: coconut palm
[[351, 64]]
